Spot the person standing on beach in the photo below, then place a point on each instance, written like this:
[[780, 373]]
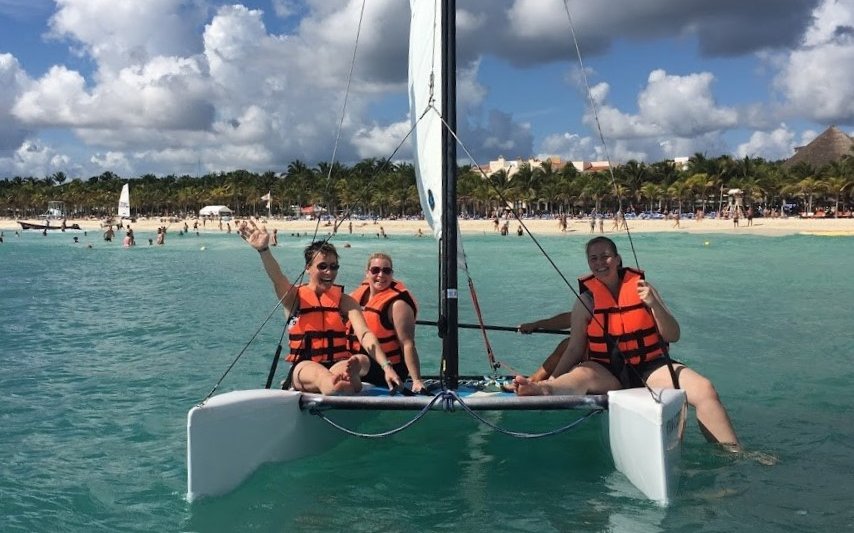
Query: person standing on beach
[[389, 309], [639, 329], [318, 341]]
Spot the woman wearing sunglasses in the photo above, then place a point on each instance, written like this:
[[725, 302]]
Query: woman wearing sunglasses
[[318, 339], [389, 311]]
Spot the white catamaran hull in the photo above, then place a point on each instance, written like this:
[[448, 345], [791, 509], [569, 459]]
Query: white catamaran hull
[[646, 439], [232, 434]]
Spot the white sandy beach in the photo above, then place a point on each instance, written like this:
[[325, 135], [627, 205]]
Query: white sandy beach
[[761, 226]]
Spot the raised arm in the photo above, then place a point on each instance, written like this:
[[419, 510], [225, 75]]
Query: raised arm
[[559, 321], [667, 324], [403, 318], [259, 239]]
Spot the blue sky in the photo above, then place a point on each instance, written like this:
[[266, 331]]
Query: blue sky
[[172, 86]]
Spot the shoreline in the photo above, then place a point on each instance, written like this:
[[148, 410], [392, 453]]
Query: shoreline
[[761, 226]]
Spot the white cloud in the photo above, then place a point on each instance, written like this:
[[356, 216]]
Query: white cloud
[[284, 8], [816, 79], [680, 106], [773, 145], [162, 96], [119, 34], [13, 81], [34, 159], [380, 142]]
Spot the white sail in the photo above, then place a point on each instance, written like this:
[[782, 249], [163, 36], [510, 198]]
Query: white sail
[[124, 202], [425, 106]]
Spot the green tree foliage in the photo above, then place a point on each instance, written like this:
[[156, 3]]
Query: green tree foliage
[[377, 187]]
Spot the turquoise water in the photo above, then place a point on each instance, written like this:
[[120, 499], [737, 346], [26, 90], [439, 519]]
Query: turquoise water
[[104, 350]]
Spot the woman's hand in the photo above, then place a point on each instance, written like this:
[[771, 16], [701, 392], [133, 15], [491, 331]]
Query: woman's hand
[[257, 238], [645, 292], [391, 378]]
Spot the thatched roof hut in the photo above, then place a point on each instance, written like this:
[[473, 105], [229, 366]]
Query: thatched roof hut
[[832, 145]]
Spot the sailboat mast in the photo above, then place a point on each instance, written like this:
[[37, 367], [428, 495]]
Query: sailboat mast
[[450, 341]]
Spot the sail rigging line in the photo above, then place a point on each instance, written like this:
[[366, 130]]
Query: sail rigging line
[[448, 399], [246, 346], [343, 113], [595, 108], [559, 272]]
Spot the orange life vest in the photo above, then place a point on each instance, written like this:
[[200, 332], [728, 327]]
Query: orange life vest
[[319, 333], [377, 317], [628, 322]]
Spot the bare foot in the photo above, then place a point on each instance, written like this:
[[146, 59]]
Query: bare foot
[[765, 459], [526, 387], [336, 383], [353, 369]]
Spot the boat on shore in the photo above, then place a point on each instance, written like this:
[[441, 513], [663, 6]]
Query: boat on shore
[[230, 435], [54, 219]]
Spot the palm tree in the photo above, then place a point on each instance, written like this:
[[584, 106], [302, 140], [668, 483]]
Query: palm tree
[[651, 192]]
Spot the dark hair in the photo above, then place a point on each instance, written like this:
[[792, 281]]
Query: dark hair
[[318, 248], [606, 241]]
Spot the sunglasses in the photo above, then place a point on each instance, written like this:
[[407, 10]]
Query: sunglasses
[[385, 270], [328, 266]]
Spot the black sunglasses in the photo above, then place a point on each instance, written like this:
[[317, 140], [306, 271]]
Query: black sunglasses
[[328, 266], [385, 270]]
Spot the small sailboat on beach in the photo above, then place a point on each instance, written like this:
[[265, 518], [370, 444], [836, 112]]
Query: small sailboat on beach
[[230, 435], [124, 204]]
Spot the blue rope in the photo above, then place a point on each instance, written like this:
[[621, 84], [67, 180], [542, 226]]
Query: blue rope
[[520, 434], [313, 409], [448, 399]]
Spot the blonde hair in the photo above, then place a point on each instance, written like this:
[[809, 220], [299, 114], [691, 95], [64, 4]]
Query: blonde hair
[[379, 255]]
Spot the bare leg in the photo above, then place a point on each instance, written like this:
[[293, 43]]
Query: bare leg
[[549, 365], [712, 417], [310, 376], [584, 378]]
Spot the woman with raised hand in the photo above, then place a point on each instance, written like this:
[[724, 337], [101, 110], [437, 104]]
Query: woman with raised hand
[[320, 310]]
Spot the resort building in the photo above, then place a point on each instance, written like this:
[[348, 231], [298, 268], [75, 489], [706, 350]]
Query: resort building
[[512, 166]]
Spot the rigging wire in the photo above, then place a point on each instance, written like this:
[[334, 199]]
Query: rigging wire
[[448, 399], [294, 286], [595, 108]]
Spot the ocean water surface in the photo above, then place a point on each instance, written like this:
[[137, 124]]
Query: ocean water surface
[[103, 351]]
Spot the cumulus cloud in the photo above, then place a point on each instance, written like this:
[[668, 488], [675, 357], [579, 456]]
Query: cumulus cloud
[[817, 80], [681, 106], [164, 96], [34, 159], [13, 82], [776, 144]]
